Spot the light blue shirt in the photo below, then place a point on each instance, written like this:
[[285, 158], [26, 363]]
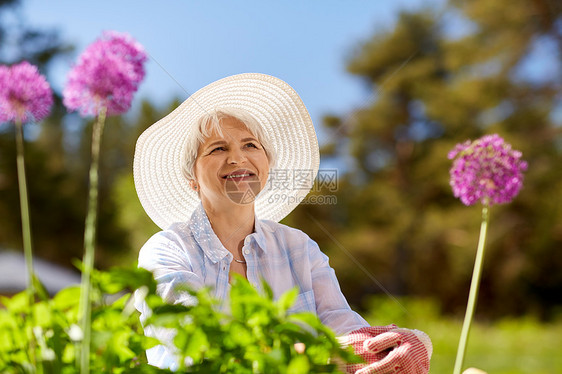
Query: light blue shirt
[[190, 253]]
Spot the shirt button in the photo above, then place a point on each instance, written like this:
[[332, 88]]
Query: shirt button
[[246, 251]]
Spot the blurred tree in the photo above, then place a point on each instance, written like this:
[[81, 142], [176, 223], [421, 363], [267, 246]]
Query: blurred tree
[[130, 214], [484, 66]]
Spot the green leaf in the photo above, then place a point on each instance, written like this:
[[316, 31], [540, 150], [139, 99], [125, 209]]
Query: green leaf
[[193, 345], [18, 303], [67, 298], [240, 335], [119, 345], [43, 314], [287, 299], [299, 365], [40, 289]]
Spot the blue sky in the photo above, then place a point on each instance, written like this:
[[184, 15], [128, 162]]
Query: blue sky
[[192, 43]]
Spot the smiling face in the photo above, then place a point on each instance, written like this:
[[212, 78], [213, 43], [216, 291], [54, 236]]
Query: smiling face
[[231, 168]]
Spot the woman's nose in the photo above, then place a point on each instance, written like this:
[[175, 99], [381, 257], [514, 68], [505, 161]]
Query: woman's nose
[[235, 156]]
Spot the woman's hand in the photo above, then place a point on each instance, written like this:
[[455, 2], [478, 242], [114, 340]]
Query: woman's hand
[[389, 349]]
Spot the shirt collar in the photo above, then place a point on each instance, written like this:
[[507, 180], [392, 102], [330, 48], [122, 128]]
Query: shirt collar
[[205, 236], [209, 241], [258, 235]]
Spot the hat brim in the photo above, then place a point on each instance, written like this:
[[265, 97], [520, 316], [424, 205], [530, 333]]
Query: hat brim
[[164, 191]]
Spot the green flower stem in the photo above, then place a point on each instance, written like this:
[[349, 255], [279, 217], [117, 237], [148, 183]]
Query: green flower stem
[[473, 295], [90, 243], [24, 206], [26, 226]]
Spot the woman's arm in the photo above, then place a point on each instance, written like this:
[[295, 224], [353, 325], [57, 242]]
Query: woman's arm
[[171, 265], [165, 256], [331, 306], [388, 347]]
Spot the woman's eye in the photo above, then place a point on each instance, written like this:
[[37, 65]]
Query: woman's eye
[[217, 149], [251, 145]]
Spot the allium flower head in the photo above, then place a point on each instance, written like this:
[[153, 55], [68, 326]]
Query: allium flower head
[[486, 170], [107, 74], [25, 94]]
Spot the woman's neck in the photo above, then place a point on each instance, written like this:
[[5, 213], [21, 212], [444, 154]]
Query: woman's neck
[[231, 224]]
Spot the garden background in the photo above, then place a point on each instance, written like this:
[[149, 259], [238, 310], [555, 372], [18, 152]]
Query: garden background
[[391, 89]]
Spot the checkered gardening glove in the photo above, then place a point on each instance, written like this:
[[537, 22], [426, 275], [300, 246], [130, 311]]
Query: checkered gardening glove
[[389, 349]]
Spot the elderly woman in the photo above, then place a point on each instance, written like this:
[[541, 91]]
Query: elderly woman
[[206, 174]]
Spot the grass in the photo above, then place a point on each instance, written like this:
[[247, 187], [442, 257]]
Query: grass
[[509, 346]]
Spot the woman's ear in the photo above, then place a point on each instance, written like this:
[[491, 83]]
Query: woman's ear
[[193, 185]]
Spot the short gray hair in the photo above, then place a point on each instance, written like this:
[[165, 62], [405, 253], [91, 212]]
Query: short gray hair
[[210, 122]]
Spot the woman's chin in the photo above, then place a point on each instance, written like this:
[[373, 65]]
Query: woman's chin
[[242, 197], [244, 192]]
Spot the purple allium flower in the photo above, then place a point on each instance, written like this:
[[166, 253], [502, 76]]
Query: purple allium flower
[[486, 170], [107, 74], [25, 94]]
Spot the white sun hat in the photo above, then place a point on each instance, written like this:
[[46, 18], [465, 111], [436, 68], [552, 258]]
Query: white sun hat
[[163, 189]]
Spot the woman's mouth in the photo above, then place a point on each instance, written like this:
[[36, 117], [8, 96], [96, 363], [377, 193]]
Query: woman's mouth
[[238, 176], [242, 185]]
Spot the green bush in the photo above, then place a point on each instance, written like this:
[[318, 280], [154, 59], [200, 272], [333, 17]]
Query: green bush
[[257, 336]]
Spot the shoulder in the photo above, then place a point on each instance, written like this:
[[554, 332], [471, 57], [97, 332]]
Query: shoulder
[[176, 240], [280, 230], [295, 244], [177, 233], [286, 236]]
